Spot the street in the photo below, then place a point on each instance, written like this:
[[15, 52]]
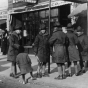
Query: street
[[12, 83], [45, 82], [8, 82]]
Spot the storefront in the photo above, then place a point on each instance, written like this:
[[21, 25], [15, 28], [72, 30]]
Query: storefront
[[3, 19], [30, 20]]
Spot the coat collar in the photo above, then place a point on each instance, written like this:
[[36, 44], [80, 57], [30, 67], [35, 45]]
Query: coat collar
[[43, 34], [57, 31]]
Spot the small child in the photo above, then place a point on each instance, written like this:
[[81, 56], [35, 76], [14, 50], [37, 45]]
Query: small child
[[24, 64]]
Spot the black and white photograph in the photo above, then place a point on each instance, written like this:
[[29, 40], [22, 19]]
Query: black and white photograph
[[43, 44]]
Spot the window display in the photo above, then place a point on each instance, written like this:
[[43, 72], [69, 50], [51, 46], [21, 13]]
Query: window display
[[54, 12], [42, 14], [47, 13]]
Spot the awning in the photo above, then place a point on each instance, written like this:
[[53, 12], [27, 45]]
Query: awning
[[38, 7], [78, 1], [81, 10], [2, 21]]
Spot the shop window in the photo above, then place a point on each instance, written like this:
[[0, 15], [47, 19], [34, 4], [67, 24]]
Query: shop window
[[42, 14], [54, 12], [36, 14], [24, 17], [47, 13]]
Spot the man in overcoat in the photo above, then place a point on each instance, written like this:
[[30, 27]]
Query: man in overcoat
[[13, 51], [4, 44], [57, 40], [83, 49], [72, 48], [42, 49]]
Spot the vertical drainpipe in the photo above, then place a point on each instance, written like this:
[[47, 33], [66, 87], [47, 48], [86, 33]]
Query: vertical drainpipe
[[49, 32], [87, 17], [49, 14]]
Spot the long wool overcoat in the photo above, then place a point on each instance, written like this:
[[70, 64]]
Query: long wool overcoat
[[72, 49], [83, 39], [57, 40], [13, 47], [4, 45], [41, 47], [24, 63]]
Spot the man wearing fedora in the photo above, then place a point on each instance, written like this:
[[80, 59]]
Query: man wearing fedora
[[42, 50], [13, 50], [83, 49], [73, 53], [57, 40]]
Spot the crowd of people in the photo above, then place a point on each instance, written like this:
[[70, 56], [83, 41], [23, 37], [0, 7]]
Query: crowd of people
[[70, 47]]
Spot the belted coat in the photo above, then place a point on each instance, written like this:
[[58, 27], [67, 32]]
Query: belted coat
[[13, 47], [57, 40], [72, 47]]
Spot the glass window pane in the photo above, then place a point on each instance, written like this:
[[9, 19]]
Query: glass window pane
[[36, 15], [42, 14], [54, 12], [47, 13]]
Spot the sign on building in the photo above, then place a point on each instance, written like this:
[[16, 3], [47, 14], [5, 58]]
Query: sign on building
[[20, 3], [29, 1]]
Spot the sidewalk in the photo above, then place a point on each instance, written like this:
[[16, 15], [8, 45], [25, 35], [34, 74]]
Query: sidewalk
[[73, 82]]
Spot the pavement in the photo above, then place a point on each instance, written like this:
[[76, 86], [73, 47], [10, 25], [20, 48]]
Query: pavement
[[70, 82]]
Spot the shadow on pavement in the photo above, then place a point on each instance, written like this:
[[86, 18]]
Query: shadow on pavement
[[1, 58], [3, 63], [54, 70], [3, 68]]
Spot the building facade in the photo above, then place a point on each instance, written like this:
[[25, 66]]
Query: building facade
[[28, 14], [3, 19]]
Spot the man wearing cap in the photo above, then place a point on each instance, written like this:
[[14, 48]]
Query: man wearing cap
[[42, 50], [57, 40], [13, 51], [83, 49], [72, 49]]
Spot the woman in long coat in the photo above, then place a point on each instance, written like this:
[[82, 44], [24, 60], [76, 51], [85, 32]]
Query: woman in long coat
[[42, 49], [4, 44], [13, 51], [72, 49], [83, 40], [57, 40]]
